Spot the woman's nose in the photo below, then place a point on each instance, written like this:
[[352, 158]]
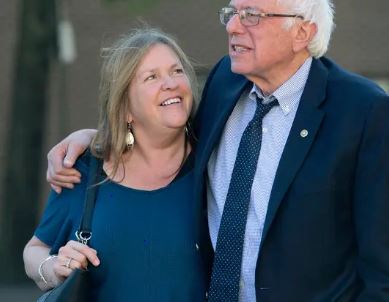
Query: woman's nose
[[169, 83]]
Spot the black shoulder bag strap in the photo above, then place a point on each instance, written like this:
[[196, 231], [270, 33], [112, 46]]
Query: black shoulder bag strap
[[84, 232], [76, 287]]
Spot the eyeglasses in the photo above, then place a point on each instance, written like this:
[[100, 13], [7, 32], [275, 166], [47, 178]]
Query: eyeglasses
[[248, 17]]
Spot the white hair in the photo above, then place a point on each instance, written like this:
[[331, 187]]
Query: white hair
[[319, 12]]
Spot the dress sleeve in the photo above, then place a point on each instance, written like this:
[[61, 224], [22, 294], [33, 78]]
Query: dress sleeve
[[63, 212], [54, 218]]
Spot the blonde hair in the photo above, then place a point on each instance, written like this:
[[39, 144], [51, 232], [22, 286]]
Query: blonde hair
[[120, 64]]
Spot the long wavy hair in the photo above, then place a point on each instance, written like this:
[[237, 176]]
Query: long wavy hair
[[120, 63]]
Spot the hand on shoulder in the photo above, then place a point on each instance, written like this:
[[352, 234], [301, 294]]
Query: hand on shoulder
[[61, 158]]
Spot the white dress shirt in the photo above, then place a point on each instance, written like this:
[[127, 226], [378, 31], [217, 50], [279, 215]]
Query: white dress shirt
[[275, 130]]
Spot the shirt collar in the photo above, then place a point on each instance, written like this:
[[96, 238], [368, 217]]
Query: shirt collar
[[289, 93]]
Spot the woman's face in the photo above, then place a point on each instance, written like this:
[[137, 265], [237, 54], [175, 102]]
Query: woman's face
[[160, 95]]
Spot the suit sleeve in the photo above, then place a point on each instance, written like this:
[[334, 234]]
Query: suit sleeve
[[371, 207]]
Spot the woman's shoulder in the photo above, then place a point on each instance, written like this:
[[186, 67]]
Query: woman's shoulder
[[82, 164]]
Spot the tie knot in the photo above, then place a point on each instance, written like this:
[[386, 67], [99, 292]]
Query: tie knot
[[263, 109]]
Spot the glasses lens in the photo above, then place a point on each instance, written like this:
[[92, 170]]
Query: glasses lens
[[225, 14], [250, 18]]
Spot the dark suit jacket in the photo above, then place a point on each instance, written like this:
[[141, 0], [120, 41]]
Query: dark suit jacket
[[326, 235]]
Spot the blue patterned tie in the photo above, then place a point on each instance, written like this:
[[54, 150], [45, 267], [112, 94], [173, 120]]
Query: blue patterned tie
[[228, 254]]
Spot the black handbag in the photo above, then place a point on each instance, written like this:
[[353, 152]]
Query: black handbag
[[76, 287]]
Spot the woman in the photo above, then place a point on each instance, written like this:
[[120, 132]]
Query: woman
[[144, 228]]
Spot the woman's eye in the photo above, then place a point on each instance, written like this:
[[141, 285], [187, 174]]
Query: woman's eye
[[150, 77], [179, 71]]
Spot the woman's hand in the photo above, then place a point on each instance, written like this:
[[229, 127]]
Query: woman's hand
[[62, 157], [74, 255], [48, 272]]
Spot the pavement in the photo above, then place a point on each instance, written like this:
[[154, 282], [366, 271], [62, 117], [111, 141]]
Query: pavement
[[19, 293]]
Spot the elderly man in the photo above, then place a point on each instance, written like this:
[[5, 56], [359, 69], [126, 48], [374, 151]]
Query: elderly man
[[294, 152]]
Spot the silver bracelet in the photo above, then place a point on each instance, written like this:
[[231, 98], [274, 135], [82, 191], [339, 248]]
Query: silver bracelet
[[40, 268]]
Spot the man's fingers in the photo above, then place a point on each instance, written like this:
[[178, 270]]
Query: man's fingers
[[66, 172], [62, 157], [62, 174], [73, 151], [55, 157], [64, 178], [65, 185], [77, 143], [69, 161], [57, 189], [58, 175]]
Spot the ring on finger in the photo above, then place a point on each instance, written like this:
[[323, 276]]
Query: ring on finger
[[68, 262]]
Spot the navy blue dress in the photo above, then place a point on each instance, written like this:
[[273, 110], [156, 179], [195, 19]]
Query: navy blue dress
[[145, 240]]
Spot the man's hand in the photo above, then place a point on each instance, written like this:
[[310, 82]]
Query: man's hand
[[62, 157]]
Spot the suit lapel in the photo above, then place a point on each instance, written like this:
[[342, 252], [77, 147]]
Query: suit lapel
[[223, 93], [302, 134], [226, 102]]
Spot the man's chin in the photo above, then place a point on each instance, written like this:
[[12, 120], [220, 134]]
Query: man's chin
[[237, 68]]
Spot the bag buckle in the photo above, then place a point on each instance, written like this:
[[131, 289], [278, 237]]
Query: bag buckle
[[83, 236]]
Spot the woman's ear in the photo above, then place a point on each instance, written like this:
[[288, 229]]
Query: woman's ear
[[304, 33], [129, 118]]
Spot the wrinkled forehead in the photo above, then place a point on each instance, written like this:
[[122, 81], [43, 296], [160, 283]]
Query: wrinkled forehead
[[260, 5], [158, 55]]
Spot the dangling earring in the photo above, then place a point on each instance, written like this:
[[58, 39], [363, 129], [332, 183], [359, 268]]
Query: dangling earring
[[130, 140], [189, 132], [188, 129]]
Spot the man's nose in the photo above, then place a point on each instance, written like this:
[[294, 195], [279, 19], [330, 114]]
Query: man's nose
[[234, 25]]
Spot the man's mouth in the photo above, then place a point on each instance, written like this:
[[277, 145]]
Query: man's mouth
[[239, 48]]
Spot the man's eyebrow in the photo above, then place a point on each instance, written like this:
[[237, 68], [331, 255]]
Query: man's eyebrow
[[257, 9]]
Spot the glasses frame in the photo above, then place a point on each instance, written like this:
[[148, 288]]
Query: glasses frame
[[244, 12]]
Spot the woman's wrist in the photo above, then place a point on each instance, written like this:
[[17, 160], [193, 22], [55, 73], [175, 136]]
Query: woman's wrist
[[48, 280]]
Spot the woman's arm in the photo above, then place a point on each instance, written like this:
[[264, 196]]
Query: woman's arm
[[48, 272], [35, 252]]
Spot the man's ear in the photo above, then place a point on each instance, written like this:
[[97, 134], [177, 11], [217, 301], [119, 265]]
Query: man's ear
[[304, 33]]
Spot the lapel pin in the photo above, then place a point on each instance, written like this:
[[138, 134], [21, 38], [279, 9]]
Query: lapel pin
[[304, 133]]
